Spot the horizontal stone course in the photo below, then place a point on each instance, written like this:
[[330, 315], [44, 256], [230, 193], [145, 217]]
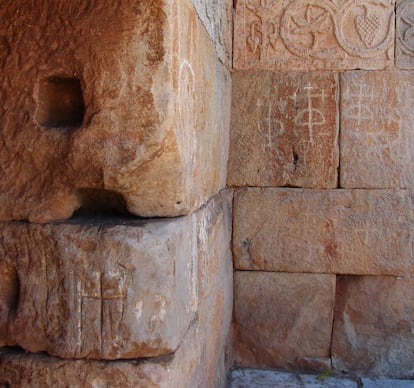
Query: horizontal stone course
[[306, 35], [275, 320], [373, 326], [284, 130], [329, 231]]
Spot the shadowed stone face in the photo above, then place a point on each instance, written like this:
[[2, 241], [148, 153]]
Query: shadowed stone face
[[104, 96]]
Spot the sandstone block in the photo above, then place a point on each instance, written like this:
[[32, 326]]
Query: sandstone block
[[308, 35], [284, 130], [275, 319], [98, 291], [329, 231], [100, 102], [373, 330], [404, 48], [376, 130], [217, 16], [36, 370], [119, 288]]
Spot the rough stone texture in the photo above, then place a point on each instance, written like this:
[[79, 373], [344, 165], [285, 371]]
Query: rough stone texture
[[275, 319], [215, 291], [330, 231], [373, 330], [110, 291], [284, 130], [147, 138], [199, 360], [40, 371], [255, 378], [404, 49], [98, 291], [386, 383], [376, 129], [216, 16], [313, 35]]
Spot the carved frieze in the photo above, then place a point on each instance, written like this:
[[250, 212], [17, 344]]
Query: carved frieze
[[405, 34], [322, 34]]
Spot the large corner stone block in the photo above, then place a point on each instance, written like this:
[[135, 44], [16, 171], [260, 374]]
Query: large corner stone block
[[119, 99], [373, 330], [376, 129], [98, 291], [313, 35], [283, 320], [329, 231], [404, 49], [284, 130]]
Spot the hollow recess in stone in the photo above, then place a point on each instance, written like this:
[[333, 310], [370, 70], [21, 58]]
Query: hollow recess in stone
[[60, 103]]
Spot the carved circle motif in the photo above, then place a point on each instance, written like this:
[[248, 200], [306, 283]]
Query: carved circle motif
[[405, 15], [306, 25], [367, 25], [326, 15]]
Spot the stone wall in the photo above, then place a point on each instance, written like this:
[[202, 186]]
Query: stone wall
[[111, 111], [321, 156]]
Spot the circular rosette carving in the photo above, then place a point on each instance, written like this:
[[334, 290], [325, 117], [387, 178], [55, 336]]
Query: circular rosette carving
[[365, 28], [307, 29], [405, 27]]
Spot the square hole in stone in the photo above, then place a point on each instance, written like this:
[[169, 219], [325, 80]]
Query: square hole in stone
[[60, 103]]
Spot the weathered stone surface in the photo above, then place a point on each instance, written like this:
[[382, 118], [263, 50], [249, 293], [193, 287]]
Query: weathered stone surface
[[275, 321], [217, 16], [284, 130], [373, 330], [102, 290], [404, 48], [98, 291], [147, 135], [252, 378], [215, 290], [313, 35], [329, 231], [376, 130], [182, 370]]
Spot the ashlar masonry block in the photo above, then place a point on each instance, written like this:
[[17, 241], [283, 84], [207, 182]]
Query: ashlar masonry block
[[313, 35], [283, 320], [331, 231], [284, 130], [373, 329], [18, 369], [404, 49], [127, 99], [100, 290], [376, 129]]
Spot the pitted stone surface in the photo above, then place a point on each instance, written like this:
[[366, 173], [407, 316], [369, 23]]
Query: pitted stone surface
[[373, 326], [329, 231], [376, 129], [313, 35], [147, 137], [404, 50], [284, 130], [107, 291], [275, 321], [386, 383]]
